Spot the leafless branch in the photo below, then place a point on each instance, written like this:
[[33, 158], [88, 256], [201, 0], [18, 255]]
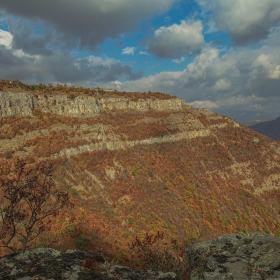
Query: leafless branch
[[28, 194]]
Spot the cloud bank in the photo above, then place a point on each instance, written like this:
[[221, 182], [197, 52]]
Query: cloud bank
[[57, 66], [246, 21], [90, 22], [177, 40], [244, 78]]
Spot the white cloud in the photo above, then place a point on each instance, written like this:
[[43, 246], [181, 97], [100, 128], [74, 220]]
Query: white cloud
[[245, 20], [6, 38], [178, 39], [179, 60], [163, 82], [265, 65], [202, 63], [96, 60], [143, 53], [204, 104], [117, 84], [129, 50], [221, 84]]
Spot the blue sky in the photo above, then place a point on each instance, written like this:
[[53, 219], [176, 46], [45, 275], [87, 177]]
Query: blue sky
[[222, 55]]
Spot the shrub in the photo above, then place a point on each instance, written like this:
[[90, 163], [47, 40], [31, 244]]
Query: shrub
[[28, 198], [154, 253], [130, 220], [81, 243], [72, 96], [150, 173]]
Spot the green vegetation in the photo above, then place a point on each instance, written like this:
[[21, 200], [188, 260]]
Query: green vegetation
[[81, 243]]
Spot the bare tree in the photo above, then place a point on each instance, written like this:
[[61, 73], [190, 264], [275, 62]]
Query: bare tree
[[28, 198]]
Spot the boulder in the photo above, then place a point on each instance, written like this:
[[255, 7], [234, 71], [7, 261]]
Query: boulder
[[236, 257]]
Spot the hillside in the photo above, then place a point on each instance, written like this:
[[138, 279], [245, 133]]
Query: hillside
[[268, 128], [141, 163]]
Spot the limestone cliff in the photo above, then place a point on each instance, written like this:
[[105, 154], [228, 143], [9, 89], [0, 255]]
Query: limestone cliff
[[23, 104]]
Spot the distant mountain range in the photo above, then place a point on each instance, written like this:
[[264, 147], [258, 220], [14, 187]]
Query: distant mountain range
[[250, 123], [246, 116], [268, 128]]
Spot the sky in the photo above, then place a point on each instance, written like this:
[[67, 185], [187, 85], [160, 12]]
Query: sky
[[222, 55]]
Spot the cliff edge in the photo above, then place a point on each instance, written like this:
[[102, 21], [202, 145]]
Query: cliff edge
[[23, 104]]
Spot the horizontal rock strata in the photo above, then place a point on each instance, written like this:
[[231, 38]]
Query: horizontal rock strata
[[118, 145], [23, 104]]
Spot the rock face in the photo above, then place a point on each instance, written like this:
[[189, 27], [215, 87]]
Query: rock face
[[23, 104], [20, 104], [236, 257], [117, 145], [229, 257], [49, 264]]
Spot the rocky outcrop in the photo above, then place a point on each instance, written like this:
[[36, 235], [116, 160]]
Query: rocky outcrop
[[229, 257], [236, 257], [49, 264], [118, 145], [20, 104], [23, 104]]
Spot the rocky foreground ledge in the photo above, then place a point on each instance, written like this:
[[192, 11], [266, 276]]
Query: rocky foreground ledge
[[229, 257], [236, 257]]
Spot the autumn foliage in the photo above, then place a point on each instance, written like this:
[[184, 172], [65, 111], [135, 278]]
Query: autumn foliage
[[192, 189]]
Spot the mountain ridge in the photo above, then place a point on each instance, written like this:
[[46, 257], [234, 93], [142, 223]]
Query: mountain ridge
[[28, 105], [187, 172]]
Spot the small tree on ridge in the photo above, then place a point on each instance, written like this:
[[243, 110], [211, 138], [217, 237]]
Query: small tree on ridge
[[28, 198]]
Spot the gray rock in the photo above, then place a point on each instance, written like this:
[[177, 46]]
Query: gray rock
[[23, 104], [229, 257], [236, 257], [50, 264]]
